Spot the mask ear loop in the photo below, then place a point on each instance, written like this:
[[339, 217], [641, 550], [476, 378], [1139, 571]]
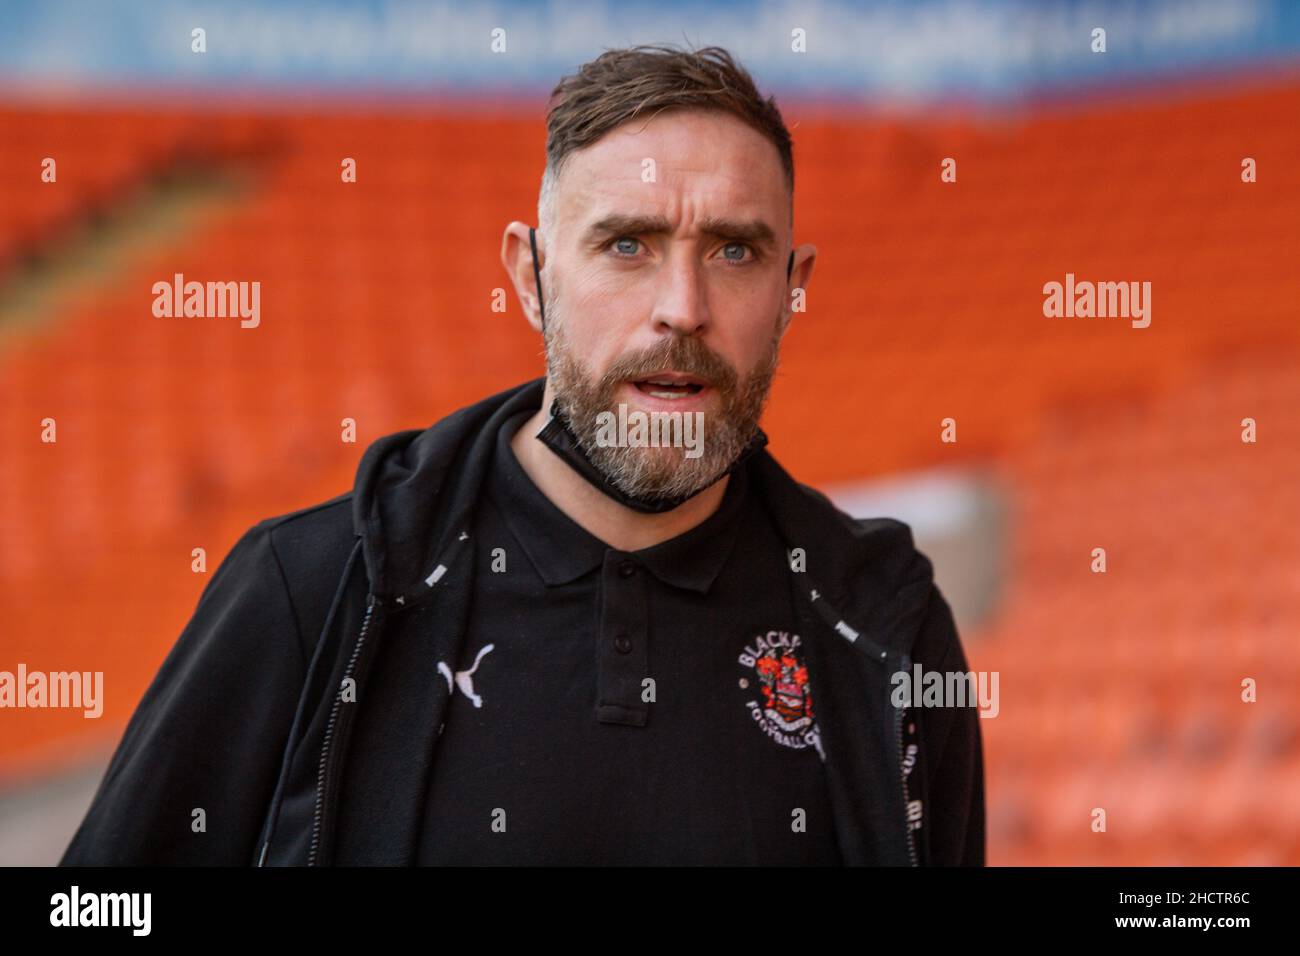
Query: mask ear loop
[[537, 274]]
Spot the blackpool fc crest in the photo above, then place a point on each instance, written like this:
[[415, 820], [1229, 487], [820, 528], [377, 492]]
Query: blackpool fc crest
[[780, 698]]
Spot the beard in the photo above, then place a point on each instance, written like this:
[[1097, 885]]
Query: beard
[[665, 472]]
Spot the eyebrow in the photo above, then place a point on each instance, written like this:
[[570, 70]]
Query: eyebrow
[[754, 231]]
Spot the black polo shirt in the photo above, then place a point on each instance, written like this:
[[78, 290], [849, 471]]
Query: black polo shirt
[[622, 708]]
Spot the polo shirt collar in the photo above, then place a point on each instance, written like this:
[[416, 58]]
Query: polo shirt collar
[[562, 550], [694, 559]]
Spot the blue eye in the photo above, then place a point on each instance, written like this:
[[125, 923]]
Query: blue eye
[[628, 246], [735, 245]]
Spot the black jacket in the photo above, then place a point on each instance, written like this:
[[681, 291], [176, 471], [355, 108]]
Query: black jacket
[[300, 708]]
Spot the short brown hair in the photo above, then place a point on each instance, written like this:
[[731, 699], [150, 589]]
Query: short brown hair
[[621, 84]]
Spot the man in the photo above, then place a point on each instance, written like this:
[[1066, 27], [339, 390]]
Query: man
[[590, 619]]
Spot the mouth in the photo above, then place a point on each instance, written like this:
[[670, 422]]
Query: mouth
[[669, 386]]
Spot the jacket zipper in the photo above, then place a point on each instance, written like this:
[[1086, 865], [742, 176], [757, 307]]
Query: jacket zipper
[[322, 772], [902, 773], [838, 625]]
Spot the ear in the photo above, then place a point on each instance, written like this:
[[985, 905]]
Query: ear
[[517, 257], [799, 274]]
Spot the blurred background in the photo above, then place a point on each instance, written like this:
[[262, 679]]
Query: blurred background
[[1123, 689]]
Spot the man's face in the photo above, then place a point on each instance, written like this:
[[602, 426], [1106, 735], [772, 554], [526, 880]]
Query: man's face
[[665, 288]]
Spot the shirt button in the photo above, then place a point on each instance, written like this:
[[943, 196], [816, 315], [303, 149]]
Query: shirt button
[[623, 644], [626, 569]]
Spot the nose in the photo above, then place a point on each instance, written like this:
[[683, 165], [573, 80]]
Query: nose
[[681, 303]]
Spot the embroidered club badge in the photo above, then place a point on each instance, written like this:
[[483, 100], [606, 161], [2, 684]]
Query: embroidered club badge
[[780, 698]]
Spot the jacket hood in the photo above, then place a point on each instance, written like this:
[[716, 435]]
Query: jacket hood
[[416, 490], [863, 576]]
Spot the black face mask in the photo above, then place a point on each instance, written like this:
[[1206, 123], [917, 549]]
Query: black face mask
[[559, 437]]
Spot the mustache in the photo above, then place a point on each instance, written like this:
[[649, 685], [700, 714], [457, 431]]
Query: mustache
[[690, 356]]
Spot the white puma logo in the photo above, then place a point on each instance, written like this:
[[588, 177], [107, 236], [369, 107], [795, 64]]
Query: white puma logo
[[465, 679]]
